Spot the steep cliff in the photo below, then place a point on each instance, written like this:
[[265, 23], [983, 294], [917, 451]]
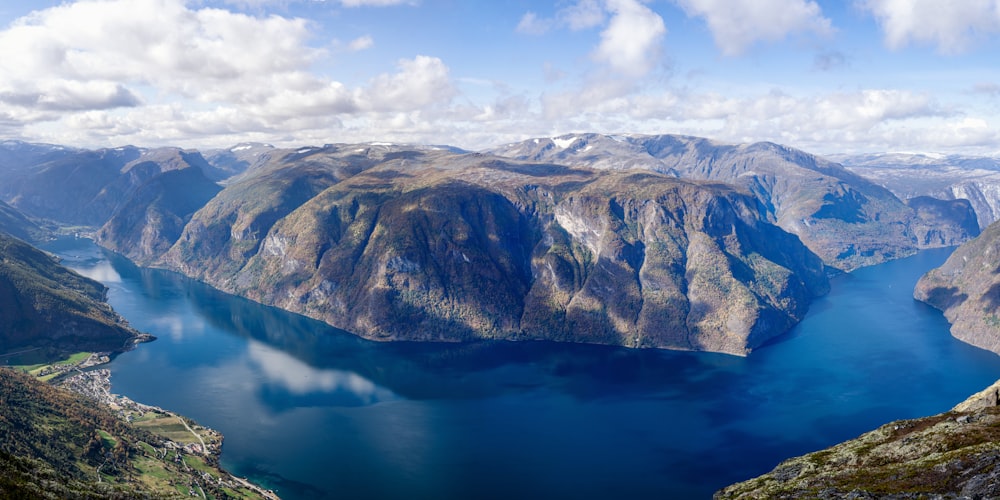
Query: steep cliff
[[951, 455], [967, 289], [422, 244], [846, 220]]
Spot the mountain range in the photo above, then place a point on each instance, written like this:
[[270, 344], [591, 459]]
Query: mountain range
[[647, 241], [946, 177], [844, 218], [642, 241]]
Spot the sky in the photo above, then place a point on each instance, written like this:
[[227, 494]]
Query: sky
[[844, 76]]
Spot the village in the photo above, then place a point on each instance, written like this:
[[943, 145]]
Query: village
[[184, 444]]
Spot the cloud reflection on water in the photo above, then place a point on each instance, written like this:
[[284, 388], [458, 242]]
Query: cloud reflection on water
[[103, 272], [300, 379]]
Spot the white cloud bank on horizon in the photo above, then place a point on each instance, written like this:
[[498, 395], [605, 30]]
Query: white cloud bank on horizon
[[157, 70], [164, 72]]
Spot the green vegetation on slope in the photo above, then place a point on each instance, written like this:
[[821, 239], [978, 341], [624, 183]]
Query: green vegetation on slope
[[58, 444], [45, 305]]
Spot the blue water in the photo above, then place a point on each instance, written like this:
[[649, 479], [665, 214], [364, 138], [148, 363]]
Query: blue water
[[314, 412]]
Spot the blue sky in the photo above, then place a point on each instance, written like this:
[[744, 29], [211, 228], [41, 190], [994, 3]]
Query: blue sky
[[824, 76]]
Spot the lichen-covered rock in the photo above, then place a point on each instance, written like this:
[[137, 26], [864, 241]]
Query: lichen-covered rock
[[951, 455]]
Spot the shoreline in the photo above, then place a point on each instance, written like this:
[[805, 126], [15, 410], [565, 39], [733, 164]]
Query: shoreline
[[95, 384]]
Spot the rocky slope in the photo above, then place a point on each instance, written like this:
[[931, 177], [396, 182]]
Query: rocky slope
[[845, 219], [967, 289], [949, 177], [424, 244], [44, 305], [951, 455]]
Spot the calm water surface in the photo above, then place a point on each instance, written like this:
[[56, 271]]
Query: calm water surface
[[314, 412]]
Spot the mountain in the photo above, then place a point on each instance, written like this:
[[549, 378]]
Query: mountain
[[82, 187], [950, 177], [237, 159], [967, 289], [845, 219], [938, 221], [44, 305], [17, 155], [400, 243], [16, 224], [152, 217], [950, 455]]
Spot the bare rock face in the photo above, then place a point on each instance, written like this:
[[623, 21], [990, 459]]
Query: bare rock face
[[967, 289], [407, 244], [845, 219], [950, 455]]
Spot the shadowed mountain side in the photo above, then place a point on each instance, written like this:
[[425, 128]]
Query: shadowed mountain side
[[966, 288], [909, 175], [88, 187], [45, 305], [846, 220], [151, 220], [16, 224], [936, 214], [434, 245]]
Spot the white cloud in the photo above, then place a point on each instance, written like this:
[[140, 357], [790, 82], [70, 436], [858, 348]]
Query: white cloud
[[735, 26], [631, 42], [361, 43], [582, 15], [951, 25], [420, 82], [374, 3], [127, 45], [531, 24], [159, 72]]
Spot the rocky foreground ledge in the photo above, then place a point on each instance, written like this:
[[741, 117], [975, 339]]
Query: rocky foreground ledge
[[951, 455]]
